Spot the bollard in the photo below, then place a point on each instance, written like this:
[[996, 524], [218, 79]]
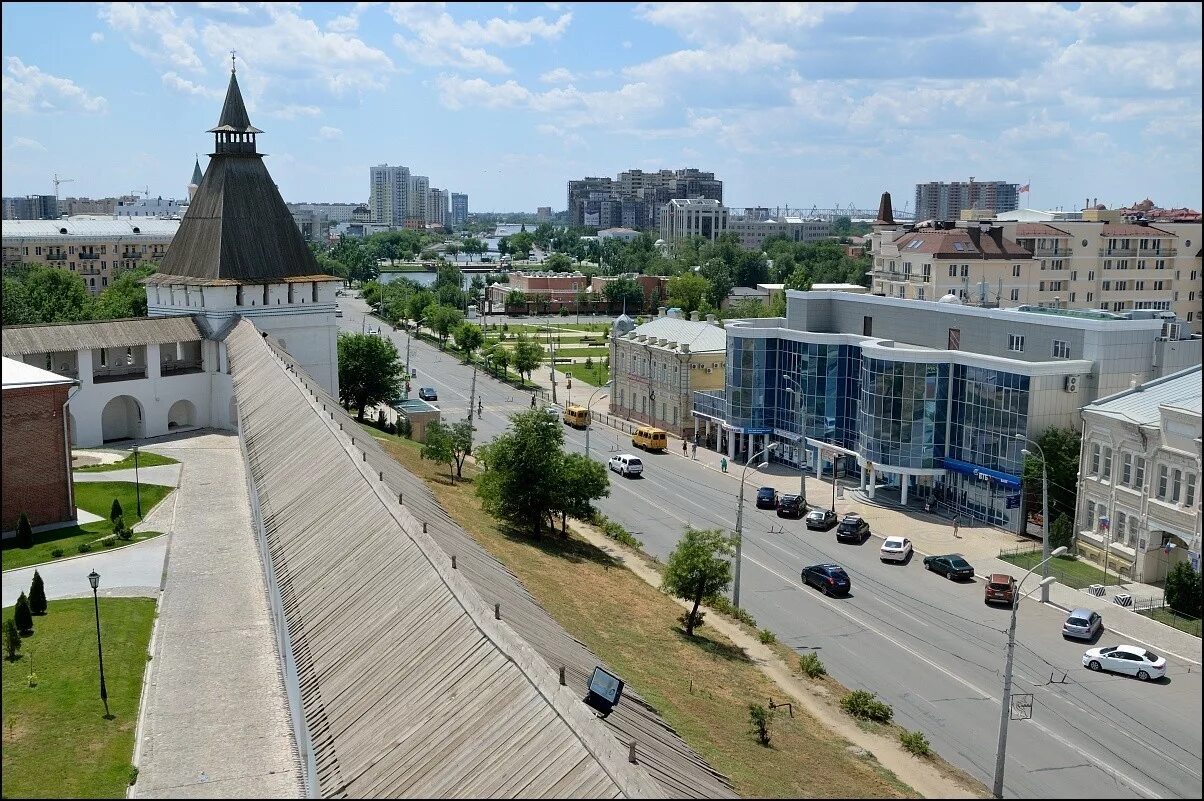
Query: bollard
[[423, 526], [562, 675], [497, 611], [453, 561], [381, 475], [631, 752], [400, 498], [365, 455]]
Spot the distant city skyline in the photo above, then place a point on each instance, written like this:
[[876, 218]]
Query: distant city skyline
[[793, 104]]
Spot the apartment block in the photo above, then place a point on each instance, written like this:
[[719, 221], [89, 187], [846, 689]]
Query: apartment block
[[31, 207], [684, 219], [419, 194], [95, 250], [389, 194], [754, 230], [437, 206], [459, 208], [638, 197], [938, 200]]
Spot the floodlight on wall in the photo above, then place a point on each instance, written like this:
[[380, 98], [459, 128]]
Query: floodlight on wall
[[605, 690]]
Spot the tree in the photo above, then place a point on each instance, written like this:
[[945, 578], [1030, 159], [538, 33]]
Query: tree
[[443, 320], [1183, 590], [45, 295], [115, 511], [688, 291], [438, 446], [746, 308], [759, 717], [583, 480], [559, 263], [460, 437], [12, 640], [720, 276], [125, 297], [37, 595], [1061, 447], [468, 338], [473, 246], [624, 291], [499, 357], [453, 249], [418, 304], [800, 279], [24, 532], [1061, 533], [699, 566], [526, 355], [369, 371], [23, 617]]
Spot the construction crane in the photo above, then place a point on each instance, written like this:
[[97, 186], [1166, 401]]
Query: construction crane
[[57, 180], [144, 192]]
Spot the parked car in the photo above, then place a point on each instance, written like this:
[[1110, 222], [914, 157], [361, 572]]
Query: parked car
[[1082, 624], [952, 566], [338, 312], [1001, 588], [822, 519], [829, 579], [852, 528], [553, 411], [428, 394], [626, 465], [767, 498], [1127, 659], [895, 549], [791, 506]]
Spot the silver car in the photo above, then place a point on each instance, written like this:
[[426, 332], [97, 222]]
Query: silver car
[[1082, 624]]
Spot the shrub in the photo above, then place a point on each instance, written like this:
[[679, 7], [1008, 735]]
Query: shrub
[[759, 716], [1183, 590], [109, 542], [118, 525], [699, 617], [126, 534], [589, 362], [115, 510], [84, 547], [57, 553], [23, 617], [564, 312], [865, 705], [915, 742], [720, 603], [133, 775], [812, 665], [405, 428], [616, 531], [12, 640], [766, 636], [37, 595], [1061, 533], [24, 532]]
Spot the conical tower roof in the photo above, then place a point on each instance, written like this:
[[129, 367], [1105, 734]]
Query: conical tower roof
[[197, 175], [234, 117], [886, 215]]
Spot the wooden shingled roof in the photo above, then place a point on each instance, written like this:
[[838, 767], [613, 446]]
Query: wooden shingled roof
[[315, 551]]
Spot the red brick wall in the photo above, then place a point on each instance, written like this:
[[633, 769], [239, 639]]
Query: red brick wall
[[35, 461]]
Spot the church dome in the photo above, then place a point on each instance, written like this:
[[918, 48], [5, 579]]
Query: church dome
[[622, 325]]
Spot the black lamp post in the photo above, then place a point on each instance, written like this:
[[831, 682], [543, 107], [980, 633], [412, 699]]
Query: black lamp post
[[137, 485], [94, 580]]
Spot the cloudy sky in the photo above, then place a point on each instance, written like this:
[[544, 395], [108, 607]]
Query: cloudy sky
[[792, 103]]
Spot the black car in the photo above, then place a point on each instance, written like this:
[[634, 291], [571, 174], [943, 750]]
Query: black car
[[822, 519], [829, 579], [428, 393], [852, 528], [767, 498], [952, 566], [791, 506]]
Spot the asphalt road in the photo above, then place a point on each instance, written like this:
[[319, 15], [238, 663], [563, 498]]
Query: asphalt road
[[929, 647]]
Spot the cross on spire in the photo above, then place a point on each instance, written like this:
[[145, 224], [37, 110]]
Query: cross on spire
[[233, 67]]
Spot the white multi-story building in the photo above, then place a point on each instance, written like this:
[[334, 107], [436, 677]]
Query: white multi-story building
[[389, 194], [94, 249], [436, 206], [420, 189], [684, 219], [754, 229], [1139, 474]]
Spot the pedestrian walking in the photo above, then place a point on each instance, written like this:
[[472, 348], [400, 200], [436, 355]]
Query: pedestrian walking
[[723, 464], [694, 451], [955, 527], [683, 447], [532, 400]]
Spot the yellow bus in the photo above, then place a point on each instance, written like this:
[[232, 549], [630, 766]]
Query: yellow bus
[[576, 416], [650, 439]]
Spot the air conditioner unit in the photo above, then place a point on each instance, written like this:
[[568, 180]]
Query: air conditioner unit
[[1071, 383], [709, 370]]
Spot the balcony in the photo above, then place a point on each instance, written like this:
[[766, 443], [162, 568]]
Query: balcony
[[57, 257], [88, 256], [1048, 251], [1118, 251], [105, 375], [1171, 517], [131, 255], [1159, 253]]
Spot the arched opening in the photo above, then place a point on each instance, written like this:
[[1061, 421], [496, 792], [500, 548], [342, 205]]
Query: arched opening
[[121, 419], [181, 415]]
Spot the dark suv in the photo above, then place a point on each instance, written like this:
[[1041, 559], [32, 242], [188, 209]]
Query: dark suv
[[767, 498], [791, 506], [829, 579], [852, 528]]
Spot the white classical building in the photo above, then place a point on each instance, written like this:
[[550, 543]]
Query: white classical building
[[1139, 473], [237, 254]]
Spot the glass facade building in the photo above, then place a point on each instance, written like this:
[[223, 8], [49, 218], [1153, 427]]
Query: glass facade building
[[902, 417]]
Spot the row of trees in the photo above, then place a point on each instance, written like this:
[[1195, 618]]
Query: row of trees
[[35, 294]]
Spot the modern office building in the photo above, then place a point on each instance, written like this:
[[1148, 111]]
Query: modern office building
[[389, 194], [927, 397], [459, 208], [938, 200], [685, 219], [1139, 473], [93, 249], [656, 368]]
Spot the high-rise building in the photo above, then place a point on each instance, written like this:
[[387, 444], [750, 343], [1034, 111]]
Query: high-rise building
[[543, 213], [32, 207], [420, 187], [389, 194], [436, 206], [581, 191], [651, 190], [459, 208], [938, 200]]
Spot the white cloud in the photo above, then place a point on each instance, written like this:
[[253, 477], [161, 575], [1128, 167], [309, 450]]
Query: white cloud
[[714, 22], [573, 107], [328, 134], [171, 38], [293, 111], [184, 86], [350, 21], [558, 75], [470, 58], [25, 143], [437, 39], [27, 89], [741, 57], [97, 37]]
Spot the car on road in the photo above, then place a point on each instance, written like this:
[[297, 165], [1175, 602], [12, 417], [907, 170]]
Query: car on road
[[852, 528], [952, 566], [338, 312], [1082, 624], [1001, 588], [1127, 659], [791, 506], [895, 549], [553, 411], [830, 579], [625, 464], [428, 394], [767, 498], [822, 519]]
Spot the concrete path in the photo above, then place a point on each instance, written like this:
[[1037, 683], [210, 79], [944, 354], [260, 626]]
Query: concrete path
[[215, 721], [133, 570], [167, 475]]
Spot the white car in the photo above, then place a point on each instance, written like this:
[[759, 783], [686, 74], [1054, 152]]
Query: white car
[[625, 464], [1127, 659], [895, 549]]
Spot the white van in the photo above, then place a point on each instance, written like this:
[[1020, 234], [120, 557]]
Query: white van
[[626, 465]]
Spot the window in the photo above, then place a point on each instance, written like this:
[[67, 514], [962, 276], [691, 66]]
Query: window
[[1041, 287], [1089, 518], [955, 338], [1139, 285], [1016, 270], [1107, 286], [1126, 469], [965, 270], [867, 326], [238, 296], [1176, 485], [1061, 349], [1107, 476], [1139, 473], [1189, 497], [1119, 532], [1016, 343], [1072, 297], [1163, 475], [1095, 454], [953, 271], [1016, 294]]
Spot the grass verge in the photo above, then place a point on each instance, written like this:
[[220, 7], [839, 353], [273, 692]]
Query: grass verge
[[97, 498], [57, 742], [1072, 572], [701, 686], [145, 459], [595, 375], [1164, 614]]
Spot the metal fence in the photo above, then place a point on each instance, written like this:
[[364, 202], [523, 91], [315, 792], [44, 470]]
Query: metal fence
[[1157, 609], [1077, 574]]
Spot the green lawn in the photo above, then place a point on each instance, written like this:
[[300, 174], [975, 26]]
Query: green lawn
[[57, 742], [97, 498], [597, 353], [1070, 571], [1163, 614], [145, 459], [594, 376]]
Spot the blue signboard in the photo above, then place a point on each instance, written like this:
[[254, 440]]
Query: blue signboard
[[965, 468]]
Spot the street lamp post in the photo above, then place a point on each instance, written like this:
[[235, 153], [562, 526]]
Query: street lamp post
[[137, 483], [1044, 514], [802, 455], [589, 421], [740, 519], [1006, 713], [94, 580]]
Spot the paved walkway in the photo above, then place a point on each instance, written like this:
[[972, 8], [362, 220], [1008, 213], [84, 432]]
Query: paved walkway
[[167, 475], [215, 720], [133, 570]]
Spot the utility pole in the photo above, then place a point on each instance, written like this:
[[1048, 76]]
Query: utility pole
[[552, 360], [472, 393]]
